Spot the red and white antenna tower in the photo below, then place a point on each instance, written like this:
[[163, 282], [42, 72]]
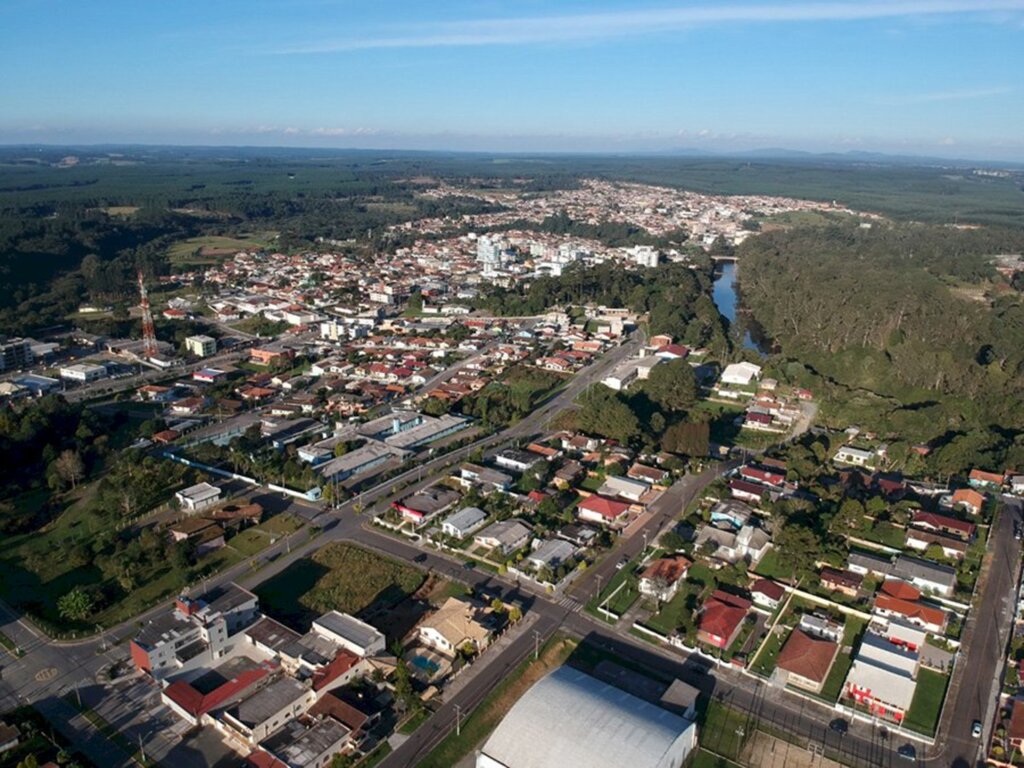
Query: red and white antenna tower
[[148, 331]]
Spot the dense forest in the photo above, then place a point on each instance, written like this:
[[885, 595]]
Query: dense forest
[[907, 326], [676, 298]]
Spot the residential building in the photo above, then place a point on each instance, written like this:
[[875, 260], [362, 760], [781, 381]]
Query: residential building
[[740, 374], [987, 481], [968, 499], [464, 522], [302, 744], [516, 460], [767, 594], [660, 579], [573, 719], [868, 564], [83, 373], [927, 617], [201, 346], [484, 477], [506, 536], [457, 624], [748, 543], [857, 457], [806, 660], [198, 497], [268, 709], [15, 354], [602, 510], [350, 633], [623, 488], [551, 553], [732, 513], [196, 632], [844, 582], [925, 575], [883, 677], [721, 619], [951, 526]]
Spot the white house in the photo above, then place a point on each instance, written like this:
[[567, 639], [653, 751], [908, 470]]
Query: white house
[[741, 374], [350, 633], [464, 522], [198, 496], [854, 456]]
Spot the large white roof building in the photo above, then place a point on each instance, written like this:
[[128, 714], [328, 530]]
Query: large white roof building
[[572, 719]]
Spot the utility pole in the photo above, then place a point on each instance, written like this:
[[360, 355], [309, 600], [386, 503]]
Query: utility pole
[[598, 594], [536, 645], [458, 720]]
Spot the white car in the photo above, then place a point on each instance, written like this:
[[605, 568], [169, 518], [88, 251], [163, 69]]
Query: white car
[[976, 729]]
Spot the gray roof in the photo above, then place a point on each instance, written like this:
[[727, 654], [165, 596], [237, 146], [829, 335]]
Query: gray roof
[[571, 718], [349, 627], [300, 746], [871, 562], [553, 551], [268, 701], [506, 532], [915, 568], [466, 518]]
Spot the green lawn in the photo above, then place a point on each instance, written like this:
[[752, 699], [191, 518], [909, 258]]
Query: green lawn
[[764, 664], [677, 612], [723, 730], [926, 706], [254, 540], [773, 567], [837, 676], [185, 251]]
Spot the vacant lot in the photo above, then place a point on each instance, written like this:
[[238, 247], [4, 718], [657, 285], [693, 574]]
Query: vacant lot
[[213, 248], [339, 577]]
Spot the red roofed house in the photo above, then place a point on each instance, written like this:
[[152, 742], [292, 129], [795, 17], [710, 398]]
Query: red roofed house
[[843, 582], [931, 619], [191, 705], [660, 579], [721, 619], [968, 499], [929, 521], [901, 590], [602, 510], [673, 352], [990, 481], [767, 593], [762, 475], [746, 491], [342, 668], [261, 759], [1015, 732], [806, 660]]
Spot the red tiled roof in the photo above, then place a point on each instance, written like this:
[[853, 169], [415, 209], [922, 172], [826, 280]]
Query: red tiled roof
[[769, 588], [1016, 729], [331, 706], [340, 664], [943, 522], [901, 590], [968, 496], [605, 507], [807, 656], [720, 618], [671, 569], [261, 759], [911, 610], [197, 705], [986, 477]]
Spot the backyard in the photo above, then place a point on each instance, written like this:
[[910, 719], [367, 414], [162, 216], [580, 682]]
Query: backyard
[[926, 705]]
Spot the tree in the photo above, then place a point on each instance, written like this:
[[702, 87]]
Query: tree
[[672, 540], [75, 605], [689, 438], [341, 449], [69, 468], [849, 516], [672, 385], [404, 692], [603, 413]]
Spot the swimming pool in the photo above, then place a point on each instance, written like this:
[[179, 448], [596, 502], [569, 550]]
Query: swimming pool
[[425, 664]]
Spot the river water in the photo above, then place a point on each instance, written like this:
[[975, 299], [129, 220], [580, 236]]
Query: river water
[[727, 300]]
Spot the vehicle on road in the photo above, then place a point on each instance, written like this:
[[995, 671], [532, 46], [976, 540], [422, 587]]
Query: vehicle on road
[[976, 729], [840, 726], [420, 558], [469, 565], [621, 564], [907, 752]]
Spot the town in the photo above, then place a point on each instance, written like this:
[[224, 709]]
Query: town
[[367, 514]]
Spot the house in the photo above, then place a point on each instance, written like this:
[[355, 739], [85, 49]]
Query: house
[[350, 633], [568, 473], [486, 478], [580, 535], [930, 619], [767, 594], [844, 582], [621, 376], [821, 626], [205, 534], [866, 563], [965, 498], [506, 536], [986, 481], [929, 521], [882, 677], [854, 456], [748, 544], [649, 475], [806, 660], [198, 497], [302, 744], [623, 488], [605, 511], [925, 575], [422, 505], [721, 619], [731, 513], [457, 624], [952, 548], [1017, 484], [259, 715], [660, 579], [516, 460], [201, 346], [464, 522], [747, 491], [763, 475], [740, 374], [551, 553], [1015, 731], [672, 352]]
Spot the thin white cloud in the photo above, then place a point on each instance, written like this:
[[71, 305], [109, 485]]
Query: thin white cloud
[[595, 26], [964, 95]]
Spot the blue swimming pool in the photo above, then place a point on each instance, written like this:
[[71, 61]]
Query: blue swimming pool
[[425, 664]]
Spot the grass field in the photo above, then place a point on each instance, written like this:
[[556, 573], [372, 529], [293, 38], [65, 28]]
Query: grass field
[[253, 540], [212, 249], [926, 706], [676, 612], [492, 709], [338, 577], [765, 662]]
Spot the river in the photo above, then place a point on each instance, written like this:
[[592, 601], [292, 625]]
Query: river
[[727, 300]]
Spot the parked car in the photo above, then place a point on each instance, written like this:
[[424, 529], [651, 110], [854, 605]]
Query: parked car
[[840, 726], [976, 729], [907, 752]]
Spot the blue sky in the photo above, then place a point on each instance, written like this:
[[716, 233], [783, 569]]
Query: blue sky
[[938, 77]]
